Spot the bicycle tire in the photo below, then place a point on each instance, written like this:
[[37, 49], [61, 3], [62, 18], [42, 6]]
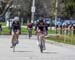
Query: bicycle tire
[[29, 34], [13, 48], [14, 43], [41, 47]]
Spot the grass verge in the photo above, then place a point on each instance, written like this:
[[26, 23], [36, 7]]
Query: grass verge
[[6, 31], [68, 39]]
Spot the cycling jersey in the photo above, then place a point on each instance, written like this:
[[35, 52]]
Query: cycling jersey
[[15, 25], [40, 26], [30, 25]]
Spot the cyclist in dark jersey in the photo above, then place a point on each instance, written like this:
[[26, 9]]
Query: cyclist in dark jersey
[[0, 27], [40, 29], [40, 26], [30, 27], [15, 28]]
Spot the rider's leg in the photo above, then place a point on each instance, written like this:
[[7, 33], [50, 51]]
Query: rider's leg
[[38, 38], [43, 40], [17, 34], [31, 32], [12, 38]]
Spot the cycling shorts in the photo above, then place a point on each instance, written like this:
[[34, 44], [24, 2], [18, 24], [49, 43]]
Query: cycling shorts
[[15, 29]]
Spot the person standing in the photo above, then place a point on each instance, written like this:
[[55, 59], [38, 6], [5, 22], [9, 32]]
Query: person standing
[[0, 28]]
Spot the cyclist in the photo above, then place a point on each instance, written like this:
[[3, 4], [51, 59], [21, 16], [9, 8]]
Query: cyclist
[[15, 28], [30, 27], [0, 27], [40, 29]]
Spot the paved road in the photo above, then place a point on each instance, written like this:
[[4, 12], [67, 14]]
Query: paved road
[[28, 50]]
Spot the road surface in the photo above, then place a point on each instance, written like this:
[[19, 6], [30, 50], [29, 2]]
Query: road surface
[[27, 49]]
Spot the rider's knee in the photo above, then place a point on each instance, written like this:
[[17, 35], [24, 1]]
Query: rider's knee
[[17, 32], [12, 34]]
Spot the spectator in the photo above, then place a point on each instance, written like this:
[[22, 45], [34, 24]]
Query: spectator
[[0, 28], [73, 28]]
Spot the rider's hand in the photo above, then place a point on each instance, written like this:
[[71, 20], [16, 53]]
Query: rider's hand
[[38, 31]]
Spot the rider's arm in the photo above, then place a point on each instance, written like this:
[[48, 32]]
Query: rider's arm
[[16, 24], [13, 24]]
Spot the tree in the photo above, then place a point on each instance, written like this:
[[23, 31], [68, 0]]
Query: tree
[[5, 6], [70, 8]]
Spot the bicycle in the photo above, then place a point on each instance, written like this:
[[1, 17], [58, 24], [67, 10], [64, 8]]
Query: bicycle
[[0, 29], [15, 41], [41, 42], [30, 33]]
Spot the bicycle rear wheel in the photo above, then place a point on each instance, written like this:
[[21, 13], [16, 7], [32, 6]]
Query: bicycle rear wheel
[[14, 43], [13, 48], [29, 35]]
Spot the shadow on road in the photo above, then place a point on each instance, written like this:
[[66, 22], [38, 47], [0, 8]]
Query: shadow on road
[[23, 51], [50, 52]]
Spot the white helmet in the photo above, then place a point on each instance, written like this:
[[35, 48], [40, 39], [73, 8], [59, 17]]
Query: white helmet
[[16, 18]]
